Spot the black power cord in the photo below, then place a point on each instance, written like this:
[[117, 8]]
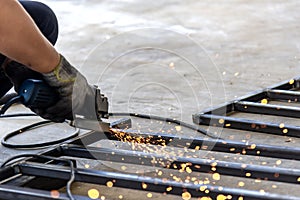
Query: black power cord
[[37, 145], [7, 97], [18, 115], [7, 105]]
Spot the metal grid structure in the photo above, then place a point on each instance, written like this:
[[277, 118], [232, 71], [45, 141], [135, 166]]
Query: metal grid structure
[[34, 178], [257, 103]]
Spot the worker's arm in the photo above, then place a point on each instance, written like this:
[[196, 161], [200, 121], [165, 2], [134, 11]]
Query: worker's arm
[[22, 41]]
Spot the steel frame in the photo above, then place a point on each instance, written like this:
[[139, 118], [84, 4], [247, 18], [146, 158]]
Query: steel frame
[[22, 180], [286, 91]]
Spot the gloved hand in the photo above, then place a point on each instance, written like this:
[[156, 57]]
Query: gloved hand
[[76, 96]]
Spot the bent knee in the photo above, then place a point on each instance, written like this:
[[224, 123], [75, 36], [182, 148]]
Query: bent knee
[[44, 17]]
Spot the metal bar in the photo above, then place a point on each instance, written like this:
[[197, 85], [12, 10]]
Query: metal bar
[[283, 86], [131, 181], [250, 125], [221, 110], [9, 192], [288, 85], [95, 135], [176, 162], [220, 145], [267, 109], [101, 126], [255, 97], [284, 95], [123, 123], [6, 173]]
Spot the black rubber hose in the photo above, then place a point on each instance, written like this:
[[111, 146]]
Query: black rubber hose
[[5, 139], [7, 97], [9, 103]]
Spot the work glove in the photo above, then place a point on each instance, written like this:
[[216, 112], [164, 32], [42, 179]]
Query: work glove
[[75, 95]]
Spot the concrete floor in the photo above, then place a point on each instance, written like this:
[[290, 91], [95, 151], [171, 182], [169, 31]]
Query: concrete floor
[[176, 58]]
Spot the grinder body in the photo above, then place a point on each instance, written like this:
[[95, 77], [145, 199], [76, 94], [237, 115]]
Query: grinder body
[[37, 94]]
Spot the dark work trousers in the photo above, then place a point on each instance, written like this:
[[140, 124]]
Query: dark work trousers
[[46, 20]]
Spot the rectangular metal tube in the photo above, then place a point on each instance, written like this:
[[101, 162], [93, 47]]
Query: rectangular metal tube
[[288, 85], [255, 97], [287, 95], [132, 181], [6, 172], [220, 145], [250, 125], [175, 162], [267, 109]]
